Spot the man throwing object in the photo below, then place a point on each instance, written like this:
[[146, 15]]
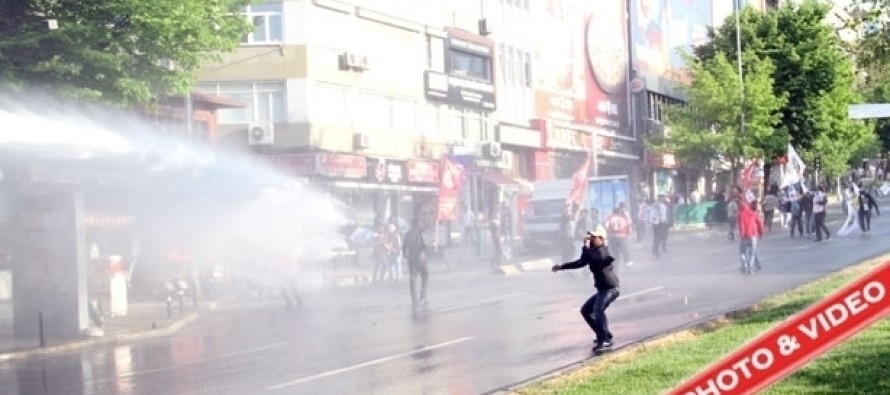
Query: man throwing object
[[595, 255]]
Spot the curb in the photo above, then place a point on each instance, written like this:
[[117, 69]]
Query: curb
[[532, 265], [74, 345]]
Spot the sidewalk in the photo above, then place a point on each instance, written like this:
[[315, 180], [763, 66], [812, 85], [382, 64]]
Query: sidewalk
[[144, 319]]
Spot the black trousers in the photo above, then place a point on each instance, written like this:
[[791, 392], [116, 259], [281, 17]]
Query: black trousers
[[768, 218], [819, 225], [594, 313], [418, 270], [865, 220]]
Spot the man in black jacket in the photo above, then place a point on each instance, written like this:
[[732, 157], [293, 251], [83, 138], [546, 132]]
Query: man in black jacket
[[414, 249], [866, 203], [595, 255]]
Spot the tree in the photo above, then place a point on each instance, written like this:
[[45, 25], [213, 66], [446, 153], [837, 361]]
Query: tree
[[868, 20], [811, 70], [124, 52], [708, 127]]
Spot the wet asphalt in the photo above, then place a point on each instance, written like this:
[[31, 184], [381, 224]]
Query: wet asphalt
[[480, 334]]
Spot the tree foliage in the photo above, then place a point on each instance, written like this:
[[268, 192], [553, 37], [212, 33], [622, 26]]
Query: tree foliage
[[117, 51], [709, 127], [869, 21], [811, 69]]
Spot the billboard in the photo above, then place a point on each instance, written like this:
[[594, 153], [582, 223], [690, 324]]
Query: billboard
[[580, 62], [558, 68], [661, 31]]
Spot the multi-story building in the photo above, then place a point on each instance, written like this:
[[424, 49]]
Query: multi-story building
[[661, 30], [366, 98]]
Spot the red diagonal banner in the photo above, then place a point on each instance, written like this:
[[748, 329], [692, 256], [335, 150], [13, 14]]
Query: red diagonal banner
[[798, 340]]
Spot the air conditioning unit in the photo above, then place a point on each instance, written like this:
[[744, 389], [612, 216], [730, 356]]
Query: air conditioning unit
[[483, 27], [493, 150], [343, 61], [363, 63], [261, 133], [353, 61], [361, 141]]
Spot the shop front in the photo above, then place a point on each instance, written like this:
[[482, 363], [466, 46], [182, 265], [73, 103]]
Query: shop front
[[375, 190], [566, 148]]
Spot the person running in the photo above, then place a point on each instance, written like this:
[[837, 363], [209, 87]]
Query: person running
[[415, 251], [750, 231], [866, 203], [796, 211], [595, 255]]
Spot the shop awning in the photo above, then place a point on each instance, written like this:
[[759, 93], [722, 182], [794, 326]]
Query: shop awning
[[385, 187]]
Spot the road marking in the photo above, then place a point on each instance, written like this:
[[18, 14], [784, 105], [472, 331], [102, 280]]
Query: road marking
[[368, 363], [638, 293], [197, 361], [477, 303]]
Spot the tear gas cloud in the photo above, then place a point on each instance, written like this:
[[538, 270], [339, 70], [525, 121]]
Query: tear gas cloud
[[216, 206]]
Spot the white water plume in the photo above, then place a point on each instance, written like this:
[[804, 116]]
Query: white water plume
[[218, 206]]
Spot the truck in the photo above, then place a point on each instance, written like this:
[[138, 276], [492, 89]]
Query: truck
[[548, 204]]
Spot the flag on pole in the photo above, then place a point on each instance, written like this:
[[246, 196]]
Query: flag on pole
[[747, 176], [579, 183], [794, 169]]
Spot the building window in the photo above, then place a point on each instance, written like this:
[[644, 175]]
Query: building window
[[456, 129], [267, 24], [502, 62], [470, 65], [404, 116], [435, 53], [331, 103], [264, 101], [527, 70], [428, 120], [375, 111]]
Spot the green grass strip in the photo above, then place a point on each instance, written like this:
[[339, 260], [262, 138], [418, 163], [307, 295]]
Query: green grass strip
[[858, 366]]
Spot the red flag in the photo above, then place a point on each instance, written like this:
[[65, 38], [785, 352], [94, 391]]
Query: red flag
[[449, 186], [579, 183], [748, 175]]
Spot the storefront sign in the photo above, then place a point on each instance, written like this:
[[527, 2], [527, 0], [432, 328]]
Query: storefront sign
[[459, 91], [663, 160], [467, 46], [519, 136], [561, 137], [423, 172], [295, 164], [616, 146], [386, 171], [341, 165]]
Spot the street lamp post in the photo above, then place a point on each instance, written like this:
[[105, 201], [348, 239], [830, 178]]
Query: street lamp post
[[738, 43]]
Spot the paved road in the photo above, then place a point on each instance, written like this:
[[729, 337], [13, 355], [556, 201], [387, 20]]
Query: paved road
[[481, 333]]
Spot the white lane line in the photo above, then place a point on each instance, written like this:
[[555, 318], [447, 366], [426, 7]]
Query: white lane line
[[477, 303], [638, 293], [369, 363], [194, 362]]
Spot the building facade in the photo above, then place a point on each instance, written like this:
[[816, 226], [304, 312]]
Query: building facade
[[366, 98]]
